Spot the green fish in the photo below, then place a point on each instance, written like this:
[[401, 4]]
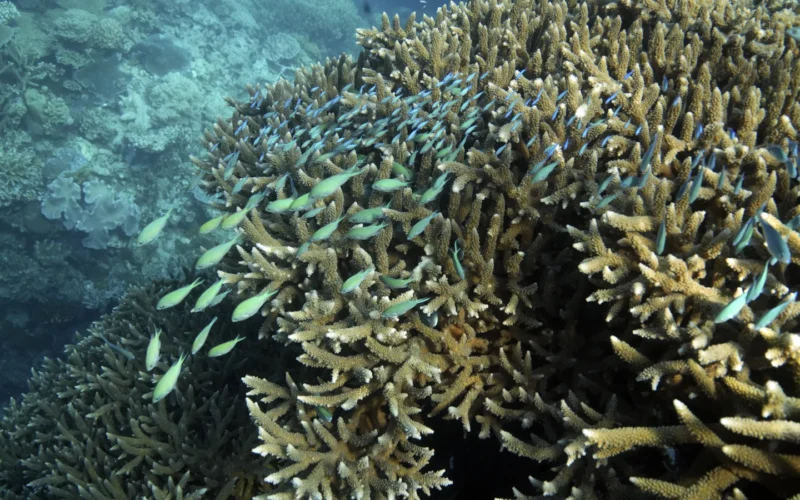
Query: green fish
[[313, 212], [205, 298], [355, 280], [456, 262], [234, 219], [324, 413], [388, 185], [399, 170], [661, 237], [758, 284], [175, 297], [776, 244], [167, 382], [279, 206], [301, 203], [429, 195], [420, 226], [214, 255], [733, 308], [212, 224], [395, 283], [248, 308], [326, 231], [216, 300], [224, 348], [365, 232], [202, 336], [369, 215], [327, 187], [153, 230], [773, 313], [153, 351], [401, 308], [542, 173]]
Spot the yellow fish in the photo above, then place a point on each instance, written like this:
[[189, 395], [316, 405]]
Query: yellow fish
[[167, 382], [153, 230], [176, 296]]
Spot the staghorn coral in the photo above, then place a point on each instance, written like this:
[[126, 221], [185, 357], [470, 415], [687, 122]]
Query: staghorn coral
[[88, 428], [549, 143], [547, 216]]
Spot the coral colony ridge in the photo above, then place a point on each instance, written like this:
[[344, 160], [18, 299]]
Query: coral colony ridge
[[570, 229]]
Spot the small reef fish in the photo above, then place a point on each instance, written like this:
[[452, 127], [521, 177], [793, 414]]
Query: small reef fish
[[175, 297], [153, 230], [214, 255], [114, 347], [355, 280], [733, 308], [279, 206], [153, 351], [457, 262], [773, 313], [365, 232], [212, 224], [420, 226], [205, 298], [369, 215], [324, 414], [758, 284], [389, 185], [776, 244], [326, 231], [248, 308], [329, 186], [401, 308], [200, 340], [224, 348], [395, 283], [168, 381]]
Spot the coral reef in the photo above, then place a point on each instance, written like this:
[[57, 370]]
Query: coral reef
[[499, 166], [88, 427], [569, 228]]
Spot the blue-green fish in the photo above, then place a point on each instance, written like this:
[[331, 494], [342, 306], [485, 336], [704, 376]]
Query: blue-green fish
[[733, 309], [234, 219], [224, 348], [388, 185], [248, 308], [401, 171], [457, 262], [205, 298], [167, 382], [773, 313], [214, 255], [153, 230], [401, 308], [212, 224], [369, 215], [543, 172], [313, 212], [125, 353], [758, 284], [153, 351], [202, 336], [326, 231], [365, 232], [355, 280], [175, 297], [324, 414], [395, 283], [661, 237], [420, 226], [776, 244], [279, 206], [302, 202], [327, 187], [233, 158]]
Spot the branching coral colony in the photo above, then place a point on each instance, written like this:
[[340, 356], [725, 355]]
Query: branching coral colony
[[430, 222], [571, 226]]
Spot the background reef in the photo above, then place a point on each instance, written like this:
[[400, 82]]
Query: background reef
[[567, 229], [101, 102]]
